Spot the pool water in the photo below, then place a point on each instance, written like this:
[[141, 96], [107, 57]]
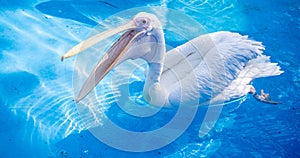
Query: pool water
[[40, 119]]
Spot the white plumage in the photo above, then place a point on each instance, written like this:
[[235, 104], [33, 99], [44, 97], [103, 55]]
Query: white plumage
[[211, 68], [222, 63]]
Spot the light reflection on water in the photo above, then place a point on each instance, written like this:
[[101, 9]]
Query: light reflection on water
[[52, 110], [38, 42]]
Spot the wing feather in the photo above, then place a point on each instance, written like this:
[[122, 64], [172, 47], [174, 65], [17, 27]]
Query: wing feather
[[205, 66]]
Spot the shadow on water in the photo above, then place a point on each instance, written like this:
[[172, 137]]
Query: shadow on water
[[88, 12], [66, 9]]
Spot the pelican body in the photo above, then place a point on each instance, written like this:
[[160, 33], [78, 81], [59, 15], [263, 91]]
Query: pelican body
[[210, 68]]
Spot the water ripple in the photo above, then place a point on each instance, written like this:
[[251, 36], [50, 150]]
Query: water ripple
[[39, 41], [212, 13]]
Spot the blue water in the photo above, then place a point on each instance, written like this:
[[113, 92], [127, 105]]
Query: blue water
[[40, 119]]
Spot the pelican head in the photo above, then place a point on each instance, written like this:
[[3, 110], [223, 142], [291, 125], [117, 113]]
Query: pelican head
[[142, 38]]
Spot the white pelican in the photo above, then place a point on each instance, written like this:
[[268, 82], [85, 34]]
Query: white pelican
[[212, 67]]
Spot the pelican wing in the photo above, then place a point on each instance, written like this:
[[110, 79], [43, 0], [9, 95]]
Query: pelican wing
[[205, 66]]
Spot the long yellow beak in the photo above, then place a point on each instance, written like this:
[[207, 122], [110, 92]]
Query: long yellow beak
[[109, 59]]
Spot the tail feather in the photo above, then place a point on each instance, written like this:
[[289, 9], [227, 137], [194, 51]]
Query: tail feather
[[255, 68], [260, 67]]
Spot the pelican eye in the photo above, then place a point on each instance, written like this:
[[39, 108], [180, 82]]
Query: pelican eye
[[142, 21]]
